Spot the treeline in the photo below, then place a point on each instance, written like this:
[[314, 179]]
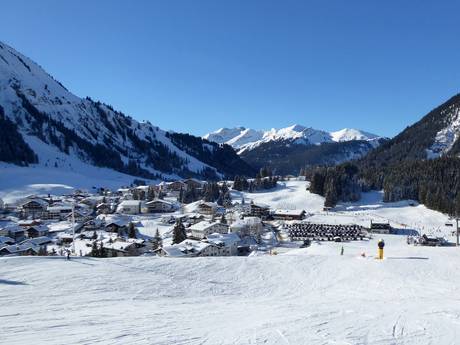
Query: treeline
[[335, 183], [13, 148], [264, 180], [211, 192], [435, 183]]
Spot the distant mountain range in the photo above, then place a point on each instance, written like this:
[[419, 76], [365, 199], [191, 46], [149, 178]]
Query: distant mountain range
[[42, 123], [287, 150], [244, 139]]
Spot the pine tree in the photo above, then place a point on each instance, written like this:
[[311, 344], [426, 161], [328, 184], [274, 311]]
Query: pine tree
[[179, 233], [131, 230], [223, 220], [95, 250], [157, 240]]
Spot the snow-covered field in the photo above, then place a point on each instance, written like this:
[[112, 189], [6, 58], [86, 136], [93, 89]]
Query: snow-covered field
[[302, 296], [307, 296]]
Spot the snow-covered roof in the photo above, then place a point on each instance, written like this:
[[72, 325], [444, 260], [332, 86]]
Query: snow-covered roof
[[289, 212], [121, 246], [134, 203], [6, 239], [186, 248], [159, 201], [225, 239], [204, 225], [37, 240], [18, 248]]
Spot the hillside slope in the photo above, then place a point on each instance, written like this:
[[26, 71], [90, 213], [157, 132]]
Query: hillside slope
[[39, 107]]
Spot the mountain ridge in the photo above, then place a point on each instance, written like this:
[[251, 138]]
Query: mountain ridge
[[40, 107]]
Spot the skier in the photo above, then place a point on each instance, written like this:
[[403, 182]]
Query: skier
[[68, 254], [341, 251]]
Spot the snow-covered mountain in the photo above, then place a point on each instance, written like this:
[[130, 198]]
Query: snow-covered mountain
[[41, 122], [244, 139]]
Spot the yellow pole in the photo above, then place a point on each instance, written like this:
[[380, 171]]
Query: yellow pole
[[381, 253]]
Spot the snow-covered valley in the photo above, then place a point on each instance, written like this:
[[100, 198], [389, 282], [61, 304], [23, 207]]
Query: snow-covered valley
[[308, 295]]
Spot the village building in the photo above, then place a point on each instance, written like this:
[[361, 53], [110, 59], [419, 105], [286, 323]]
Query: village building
[[189, 248], [208, 208], [5, 240], [280, 214], [249, 226], [380, 228], [58, 212], [129, 207], [193, 183], [15, 232], [103, 208], [37, 231], [120, 248], [227, 244], [159, 206], [259, 210], [176, 186], [80, 216], [34, 208], [20, 249], [202, 229], [38, 241]]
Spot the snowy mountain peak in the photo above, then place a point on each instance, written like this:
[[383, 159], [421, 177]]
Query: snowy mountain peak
[[348, 134], [248, 139]]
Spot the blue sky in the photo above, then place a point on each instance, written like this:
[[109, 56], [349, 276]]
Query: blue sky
[[195, 66]]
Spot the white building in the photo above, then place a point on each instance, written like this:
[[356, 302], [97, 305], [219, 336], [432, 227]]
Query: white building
[[226, 243], [249, 226], [202, 229], [159, 206], [129, 207], [190, 248]]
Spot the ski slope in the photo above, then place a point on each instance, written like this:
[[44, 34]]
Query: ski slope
[[300, 296], [307, 296]]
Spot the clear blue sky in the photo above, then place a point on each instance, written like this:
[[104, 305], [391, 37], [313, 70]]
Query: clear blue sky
[[195, 66]]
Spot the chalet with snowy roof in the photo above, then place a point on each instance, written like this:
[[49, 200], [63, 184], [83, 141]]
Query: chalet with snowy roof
[[80, 216], [103, 208], [280, 214], [208, 208], [129, 207], [159, 206], [20, 249], [175, 186], [193, 183], [249, 226], [226, 243], [34, 208], [189, 248], [5, 240], [15, 232], [203, 229], [259, 210], [26, 223], [38, 241], [120, 248], [37, 231], [58, 212]]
